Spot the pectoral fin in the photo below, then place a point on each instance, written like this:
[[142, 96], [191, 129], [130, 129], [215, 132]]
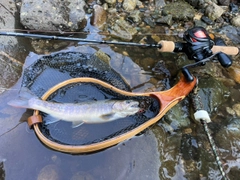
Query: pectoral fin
[[49, 120], [108, 117], [77, 123]]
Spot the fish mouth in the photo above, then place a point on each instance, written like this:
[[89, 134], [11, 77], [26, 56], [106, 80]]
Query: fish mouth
[[134, 104]]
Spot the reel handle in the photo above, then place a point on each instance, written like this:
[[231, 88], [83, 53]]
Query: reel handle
[[170, 46]]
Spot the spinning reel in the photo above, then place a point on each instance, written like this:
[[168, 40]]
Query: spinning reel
[[198, 47]]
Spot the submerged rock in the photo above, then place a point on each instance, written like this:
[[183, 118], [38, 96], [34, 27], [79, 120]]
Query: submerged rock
[[10, 71], [224, 2], [56, 15], [234, 73], [82, 176], [49, 172], [212, 93], [159, 4], [122, 29]]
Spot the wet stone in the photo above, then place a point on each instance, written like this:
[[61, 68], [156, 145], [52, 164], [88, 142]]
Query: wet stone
[[200, 23], [233, 8], [230, 111], [165, 20], [122, 29], [56, 15], [178, 116], [9, 72], [236, 108], [207, 20], [234, 73], [212, 93], [159, 4], [187, 12], [231, 32], [99, 17], [224, 2], [135, 16], [194, 3], [103, 56], [236, 21], [110, 1], [129, 5], [149, 21], [214, 11]]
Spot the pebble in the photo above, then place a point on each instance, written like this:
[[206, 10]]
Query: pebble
[[135, 16], [187, 131], [224, 2], [129, 5], [111, 1], [207, 20], [214, 11], [230, 111], [233, 8], [173, 9], [236, 21], [234, 73], [165, 20], [236, 108]]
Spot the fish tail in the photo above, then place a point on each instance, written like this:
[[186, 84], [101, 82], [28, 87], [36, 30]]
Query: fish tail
[[22, 102]]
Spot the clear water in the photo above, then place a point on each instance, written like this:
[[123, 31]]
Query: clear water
[[163, 151]]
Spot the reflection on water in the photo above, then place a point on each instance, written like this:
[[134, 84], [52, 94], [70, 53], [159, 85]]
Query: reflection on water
[[2, 171], [175, 148]]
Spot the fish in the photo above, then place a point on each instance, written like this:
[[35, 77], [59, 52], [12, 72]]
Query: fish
[[99, 111]]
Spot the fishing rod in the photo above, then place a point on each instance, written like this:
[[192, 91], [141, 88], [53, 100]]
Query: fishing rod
[[198, 46], [163, 46], [50, 37]]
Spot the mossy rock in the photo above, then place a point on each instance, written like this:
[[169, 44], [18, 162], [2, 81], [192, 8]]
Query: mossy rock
[[179, 11]]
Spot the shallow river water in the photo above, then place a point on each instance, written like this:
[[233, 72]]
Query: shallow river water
[[174, 148], [163, 151]]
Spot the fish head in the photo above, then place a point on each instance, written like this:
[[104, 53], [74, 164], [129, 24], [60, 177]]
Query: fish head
[[126, 107]]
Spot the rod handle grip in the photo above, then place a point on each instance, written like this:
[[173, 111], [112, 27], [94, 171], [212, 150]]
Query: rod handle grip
[[229, 50], [169, 46], [166, 46]]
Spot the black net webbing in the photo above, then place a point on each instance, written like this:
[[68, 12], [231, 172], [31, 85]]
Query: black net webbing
[[50, 70]]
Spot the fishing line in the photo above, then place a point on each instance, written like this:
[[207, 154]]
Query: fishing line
[[197, 105], [9, 89], [11, 58], [11, 129]]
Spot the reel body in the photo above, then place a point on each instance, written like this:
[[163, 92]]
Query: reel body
[[198, 47]]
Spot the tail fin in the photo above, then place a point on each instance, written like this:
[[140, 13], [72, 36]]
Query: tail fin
[[22, 102]]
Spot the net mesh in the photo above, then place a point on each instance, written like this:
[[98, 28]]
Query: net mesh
[[50, 70]]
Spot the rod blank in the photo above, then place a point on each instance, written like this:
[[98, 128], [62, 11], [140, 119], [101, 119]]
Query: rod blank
[[41, 36]]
